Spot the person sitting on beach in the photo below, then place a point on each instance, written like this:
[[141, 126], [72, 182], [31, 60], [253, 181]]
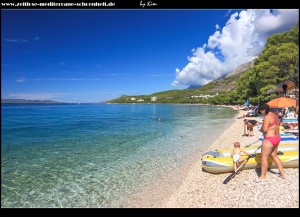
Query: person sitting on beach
[[281, 114], [287, 126], [249, 124], [236, 155]]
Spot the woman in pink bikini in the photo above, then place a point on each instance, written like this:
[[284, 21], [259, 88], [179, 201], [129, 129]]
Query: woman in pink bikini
[[270, 129]]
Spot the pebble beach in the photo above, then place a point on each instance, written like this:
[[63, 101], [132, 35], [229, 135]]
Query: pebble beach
[[205, 190]]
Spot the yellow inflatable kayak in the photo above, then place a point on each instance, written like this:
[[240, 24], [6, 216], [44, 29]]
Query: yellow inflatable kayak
[[211, 164], [251, 149]]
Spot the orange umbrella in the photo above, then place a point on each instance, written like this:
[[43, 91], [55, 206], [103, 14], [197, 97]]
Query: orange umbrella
[[282, 102]]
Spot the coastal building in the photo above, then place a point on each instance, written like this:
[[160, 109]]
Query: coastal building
[[153, 99], [140, 100], [133, 99], [203, 96]]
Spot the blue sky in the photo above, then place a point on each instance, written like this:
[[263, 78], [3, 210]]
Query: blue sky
[[97, 55]]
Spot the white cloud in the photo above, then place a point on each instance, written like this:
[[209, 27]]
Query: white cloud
[[22, 40], [158, 75], [228, 13], [12, 40], [242, 39], [21, 80]]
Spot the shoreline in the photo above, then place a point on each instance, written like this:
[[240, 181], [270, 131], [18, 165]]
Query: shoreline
[[205, 190], [156, 194]]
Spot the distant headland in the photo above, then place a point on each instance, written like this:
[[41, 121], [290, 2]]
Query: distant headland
[[25, 101]]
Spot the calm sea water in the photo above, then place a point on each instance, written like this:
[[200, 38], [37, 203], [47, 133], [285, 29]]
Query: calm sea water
[[97, 155]]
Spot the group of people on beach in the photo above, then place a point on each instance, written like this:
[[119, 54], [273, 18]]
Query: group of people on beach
[[270, 129], [250, 124]]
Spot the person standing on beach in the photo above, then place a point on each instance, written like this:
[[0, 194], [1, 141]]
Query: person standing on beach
[[297, 105], [236, 155], [272, 138], [249, 124]]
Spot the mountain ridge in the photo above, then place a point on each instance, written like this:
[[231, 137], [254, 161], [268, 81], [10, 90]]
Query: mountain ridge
[[241, 68], [190, 95]]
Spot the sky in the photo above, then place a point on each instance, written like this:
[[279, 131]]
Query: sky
[[88, 56]]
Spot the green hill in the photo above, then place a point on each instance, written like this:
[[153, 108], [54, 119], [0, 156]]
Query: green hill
[[199, 95]]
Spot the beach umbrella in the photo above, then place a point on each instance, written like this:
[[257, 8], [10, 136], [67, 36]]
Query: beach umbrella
[[282, 102]]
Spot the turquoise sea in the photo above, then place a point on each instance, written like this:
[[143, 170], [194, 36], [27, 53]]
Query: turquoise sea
[[99, 155]]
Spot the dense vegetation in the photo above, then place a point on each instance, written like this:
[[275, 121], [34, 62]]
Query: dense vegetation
[[279, 62]]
